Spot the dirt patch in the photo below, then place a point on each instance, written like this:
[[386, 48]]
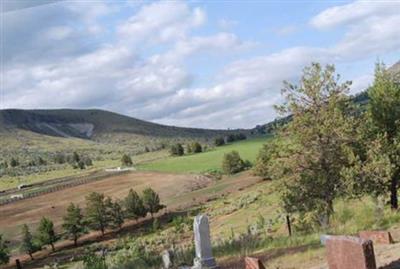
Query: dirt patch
[[177, 191], [53, 205]]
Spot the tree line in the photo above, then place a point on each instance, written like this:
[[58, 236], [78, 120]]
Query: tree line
[[100, 213], [195, 147], [75, 160], [333, 148]]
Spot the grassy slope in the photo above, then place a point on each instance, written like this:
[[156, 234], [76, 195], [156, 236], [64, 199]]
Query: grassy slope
[[201, 162], [24, 145]]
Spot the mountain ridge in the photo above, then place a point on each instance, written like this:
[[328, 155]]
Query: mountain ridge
[[89, 123]]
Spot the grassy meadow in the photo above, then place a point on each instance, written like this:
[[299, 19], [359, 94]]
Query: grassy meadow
[[209, 160]]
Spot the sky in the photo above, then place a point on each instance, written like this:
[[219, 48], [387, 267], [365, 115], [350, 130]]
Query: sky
[[209, 64]]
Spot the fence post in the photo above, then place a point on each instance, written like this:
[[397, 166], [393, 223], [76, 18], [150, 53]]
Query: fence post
[[18, 264], [289, 226]]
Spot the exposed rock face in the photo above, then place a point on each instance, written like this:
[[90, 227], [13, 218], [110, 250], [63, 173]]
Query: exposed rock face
[[347, 252]]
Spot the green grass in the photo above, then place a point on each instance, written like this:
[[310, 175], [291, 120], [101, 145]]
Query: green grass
[[197, 163]]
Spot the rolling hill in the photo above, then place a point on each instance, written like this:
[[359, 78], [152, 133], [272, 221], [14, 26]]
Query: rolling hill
[[94, 123]]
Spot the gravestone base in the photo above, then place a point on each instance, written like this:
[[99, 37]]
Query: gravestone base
[[204, 264]]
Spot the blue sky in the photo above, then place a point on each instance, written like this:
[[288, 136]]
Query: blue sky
[[211, 64]]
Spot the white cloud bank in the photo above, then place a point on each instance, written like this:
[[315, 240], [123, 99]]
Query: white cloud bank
[[142, 70]]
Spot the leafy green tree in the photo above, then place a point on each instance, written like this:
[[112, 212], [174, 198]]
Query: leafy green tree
[[4, 251], [379, 170], [240, 136], [115, 213], [230, 138], [46, 234], [96, 212], [74, 225], [126, 160], [151, 201], [219, 141], [319, 142], [134, 207], [28, 245], [232, 163], [177, 150], [266, 160], [196, 147], [81, 165], [384, 110]]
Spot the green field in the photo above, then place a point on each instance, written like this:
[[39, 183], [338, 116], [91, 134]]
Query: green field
[[212, 159]]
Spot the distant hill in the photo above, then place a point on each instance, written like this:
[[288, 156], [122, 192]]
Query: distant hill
[[395, 69], [93, 123]]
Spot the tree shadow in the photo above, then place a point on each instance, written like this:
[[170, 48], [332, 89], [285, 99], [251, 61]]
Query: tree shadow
[[238, 262], [66, 251], [392, 265]]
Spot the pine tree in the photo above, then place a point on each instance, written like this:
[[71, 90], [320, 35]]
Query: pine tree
[[74, 225], [96, 212], [28, 245], [378, 169], [4, 251], [318, 142], [46, 234], [151, 201], [134, 207], [115, 212]]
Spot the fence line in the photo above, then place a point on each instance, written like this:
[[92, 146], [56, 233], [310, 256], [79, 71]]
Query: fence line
[[61, 186]]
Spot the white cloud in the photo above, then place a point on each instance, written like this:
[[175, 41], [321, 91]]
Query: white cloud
[[139, 67], [361, 83], [371, 28], [354, 12], [161, 22], [372, 36]]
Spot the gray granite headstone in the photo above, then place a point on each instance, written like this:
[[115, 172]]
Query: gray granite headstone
[[202, 242], [166, 258]]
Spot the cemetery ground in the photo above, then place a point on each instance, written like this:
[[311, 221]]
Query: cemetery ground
[[237, 205]]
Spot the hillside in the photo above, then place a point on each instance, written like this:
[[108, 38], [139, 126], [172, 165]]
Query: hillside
[[93, 123]]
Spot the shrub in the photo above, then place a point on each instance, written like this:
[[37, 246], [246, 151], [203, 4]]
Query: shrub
[[126, 160], [232, 163], [196, 147], [177, 150], [92, 261], [219, 141], [230, 138]]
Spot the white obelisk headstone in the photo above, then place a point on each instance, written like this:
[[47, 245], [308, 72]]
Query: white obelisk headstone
[[202, 242]]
